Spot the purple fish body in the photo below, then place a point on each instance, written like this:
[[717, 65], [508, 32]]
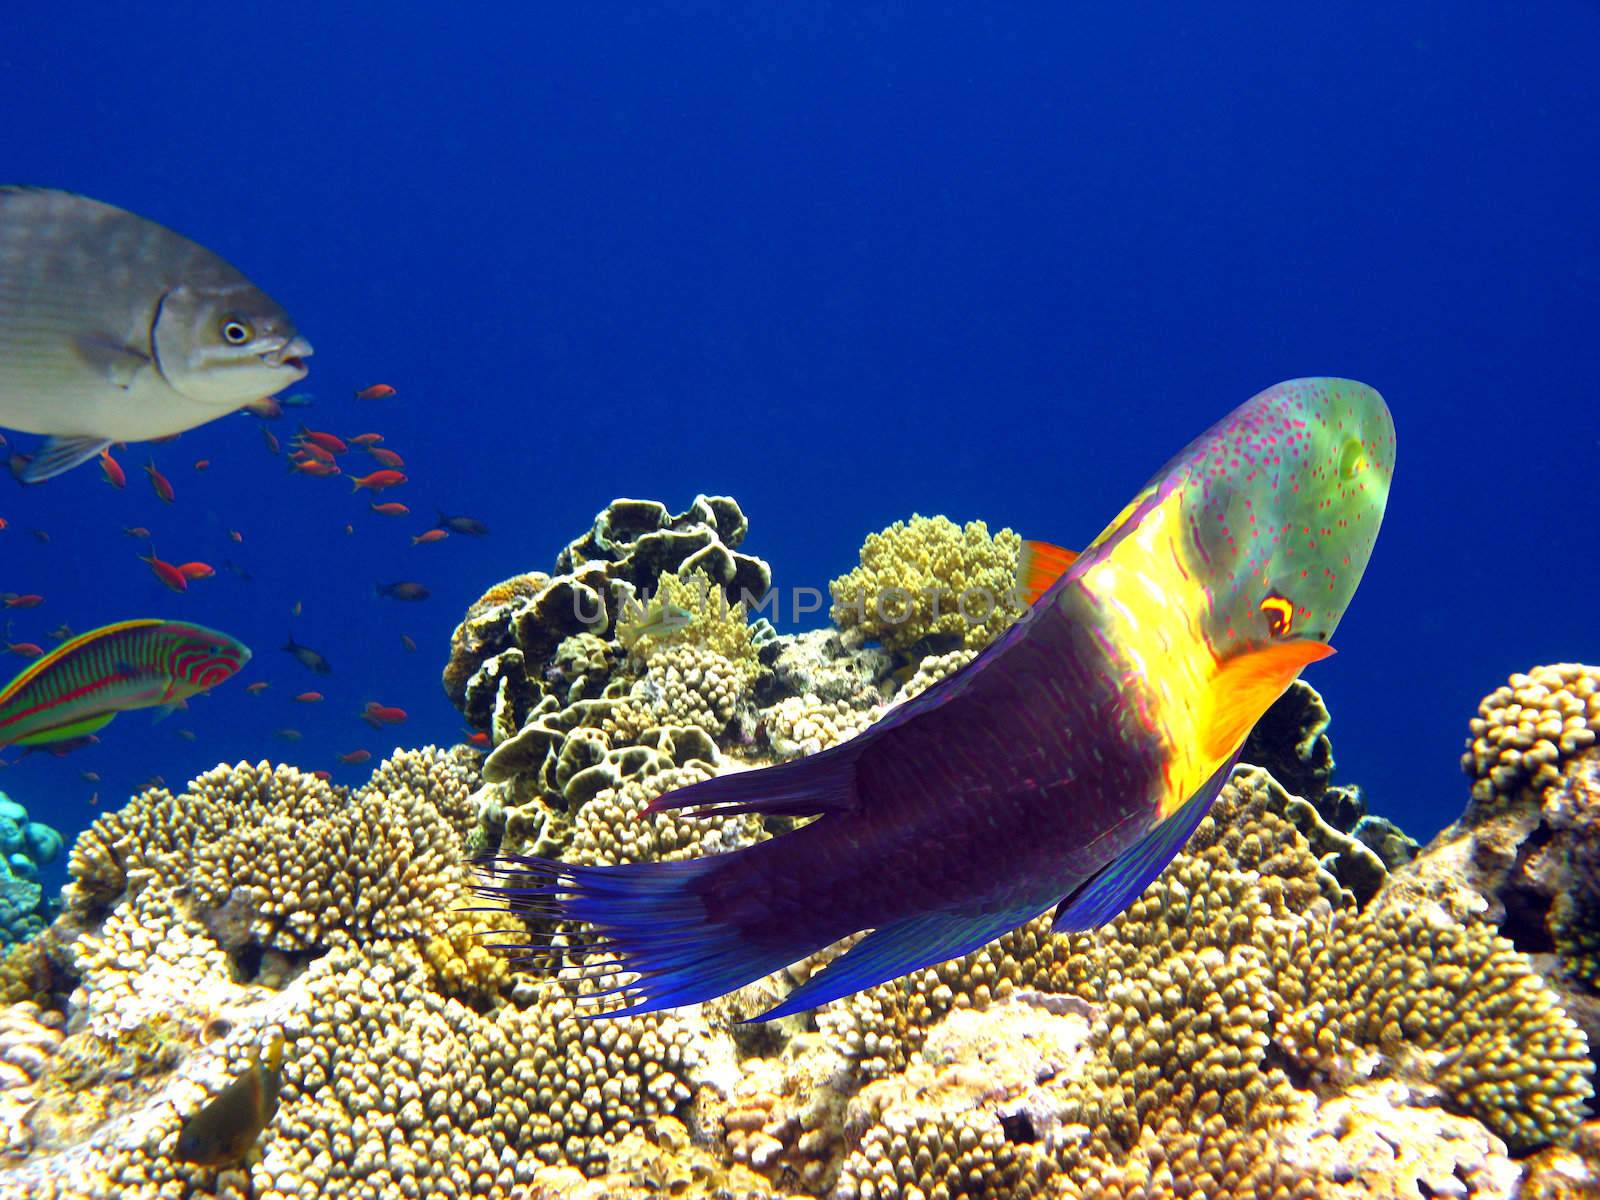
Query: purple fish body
[[1063, 768]]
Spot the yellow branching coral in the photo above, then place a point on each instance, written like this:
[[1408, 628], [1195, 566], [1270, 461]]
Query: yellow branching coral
[[930, 577], [1524, 730]]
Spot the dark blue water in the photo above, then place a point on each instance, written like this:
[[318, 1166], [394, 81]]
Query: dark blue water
[[843, 263]]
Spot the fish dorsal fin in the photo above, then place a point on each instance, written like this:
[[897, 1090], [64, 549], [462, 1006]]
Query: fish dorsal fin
[[40, 665], [58, 455], [1245, 686], [896, 950], [1039, 565], [1119, 882], [818, 783]]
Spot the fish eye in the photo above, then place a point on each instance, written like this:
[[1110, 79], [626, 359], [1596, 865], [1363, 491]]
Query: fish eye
[[1351, 459], [235, 332], [1279, 613]]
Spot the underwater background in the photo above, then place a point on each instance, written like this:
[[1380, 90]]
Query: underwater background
[[843, 263]]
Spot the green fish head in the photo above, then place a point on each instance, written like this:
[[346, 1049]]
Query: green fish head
[[1283, 499], [197, 658], [227, 344]]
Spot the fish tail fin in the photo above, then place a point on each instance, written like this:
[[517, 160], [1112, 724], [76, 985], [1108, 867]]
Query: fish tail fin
[[656, 918]]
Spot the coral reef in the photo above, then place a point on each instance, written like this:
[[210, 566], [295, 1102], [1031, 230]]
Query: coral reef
[[929, 579], [25, 846], [1292, 1010]]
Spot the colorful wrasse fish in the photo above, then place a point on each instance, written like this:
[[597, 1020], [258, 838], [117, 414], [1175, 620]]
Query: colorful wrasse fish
[[83, 683], [1062, 768]]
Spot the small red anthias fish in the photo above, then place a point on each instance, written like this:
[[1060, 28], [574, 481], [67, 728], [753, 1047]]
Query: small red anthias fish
[[308, 698], [432, 535], [318, 470], [202, 464], [323, 441], [267, 408], [378, 480], [167, 573], [407, 641], [360, 439], [27, 600], [310, 451], [355, 756], [378, 391], [322, 774], [297, 608], [349, 530], [479, 739], [111, 470], [271, 439], [41, 536], [24, 649], [389, 508], [3, 522], [378, 715], [235, 535], [136, 531], [256, 688], [158, 482], [196, 570], [1122, 696], [387, 457]]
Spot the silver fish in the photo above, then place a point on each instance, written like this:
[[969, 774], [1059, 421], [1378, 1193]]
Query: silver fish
[[116, 329]]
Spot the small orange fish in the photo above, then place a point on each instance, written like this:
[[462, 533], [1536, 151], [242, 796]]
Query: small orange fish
[[355, 756], [24, 649], [235, 535], [390, 508], [378, 715], [202, 464], [360, 439], [322, 441], [319, 470], [387, 457], [256, 688], [271, 440], [378, 480], [136, 531], [3, 522], [478, 738], [111, 470], [322, 775], [310, 451], [29, 600], [308, 698], [378, 391], [405, 640], [432, 535], [166, 572], [158, 481], [196, 570]]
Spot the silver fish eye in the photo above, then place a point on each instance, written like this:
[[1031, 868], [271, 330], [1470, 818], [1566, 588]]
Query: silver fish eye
[[235, 331]]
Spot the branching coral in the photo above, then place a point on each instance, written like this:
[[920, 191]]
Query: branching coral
[[1524, 730], [930, 578]]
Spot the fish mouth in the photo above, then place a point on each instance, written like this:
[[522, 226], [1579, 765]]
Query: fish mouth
[[291, 354]]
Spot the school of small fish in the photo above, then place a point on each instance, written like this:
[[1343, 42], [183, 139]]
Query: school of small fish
[[176, 339]]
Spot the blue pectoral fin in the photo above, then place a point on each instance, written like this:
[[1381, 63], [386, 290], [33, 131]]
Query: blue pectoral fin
[[1120, 881], [59, 455], [896, 950]]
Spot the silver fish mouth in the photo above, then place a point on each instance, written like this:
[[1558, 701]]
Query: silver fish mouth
[[292, 354]]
